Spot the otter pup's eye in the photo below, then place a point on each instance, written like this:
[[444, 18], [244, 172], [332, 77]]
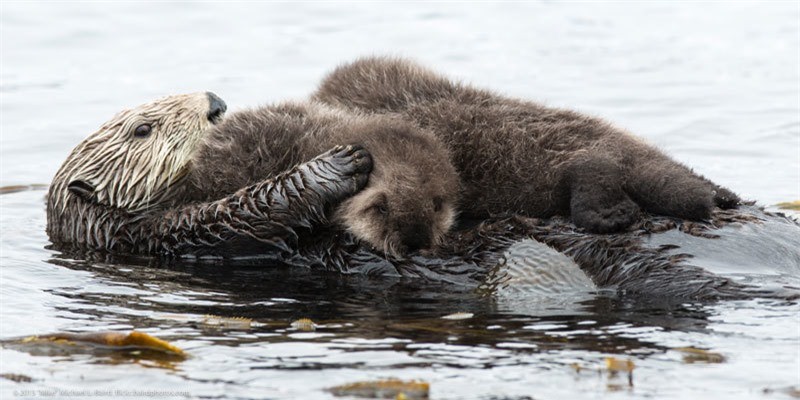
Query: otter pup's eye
[[381, 209], [142, 130], [380, 206], [437, 204]]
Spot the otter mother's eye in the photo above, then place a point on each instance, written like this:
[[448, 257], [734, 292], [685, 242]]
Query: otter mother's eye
[[142, 131]]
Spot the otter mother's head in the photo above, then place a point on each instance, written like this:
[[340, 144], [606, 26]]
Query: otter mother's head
[[134, 161]]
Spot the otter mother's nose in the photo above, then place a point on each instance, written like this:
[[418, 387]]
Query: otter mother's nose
[[216, 107]]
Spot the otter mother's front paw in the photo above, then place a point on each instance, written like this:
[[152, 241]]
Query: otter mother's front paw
[[343, 170]]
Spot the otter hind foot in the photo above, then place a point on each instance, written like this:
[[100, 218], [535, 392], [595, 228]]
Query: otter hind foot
[[598, 202], [725, 199], [605, 216]]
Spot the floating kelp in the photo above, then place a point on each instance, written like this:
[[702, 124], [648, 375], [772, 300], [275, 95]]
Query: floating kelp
[[304, 324], [615, 365], [132, 340], [238, 323], [440, 326], [790, 205], [459, 315], [214, 321], [577, 367], [791, 391], [133, 345], [19, 378], [228, 322], [385, 389], [693, 355]]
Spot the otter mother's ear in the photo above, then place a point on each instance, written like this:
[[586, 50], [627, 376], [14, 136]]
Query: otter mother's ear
[[82, 189]]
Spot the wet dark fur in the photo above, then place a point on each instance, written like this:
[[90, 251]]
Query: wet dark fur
[[123, 190], [522, 157], [410, 199], [269, 223], [265, 218], [623, 261]]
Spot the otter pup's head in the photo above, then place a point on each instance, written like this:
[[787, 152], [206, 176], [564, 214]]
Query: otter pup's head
[[410, 201], [134, 160]]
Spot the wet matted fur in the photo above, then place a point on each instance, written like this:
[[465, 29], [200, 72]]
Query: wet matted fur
[[409, 202], [270, 223], [663, 258], [124, 190]]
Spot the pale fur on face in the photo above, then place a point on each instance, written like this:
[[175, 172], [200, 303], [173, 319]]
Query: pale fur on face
[[134, 173], [398, 204]]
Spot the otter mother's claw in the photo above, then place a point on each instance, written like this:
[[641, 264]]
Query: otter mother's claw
[[354, 159], [342, 171]]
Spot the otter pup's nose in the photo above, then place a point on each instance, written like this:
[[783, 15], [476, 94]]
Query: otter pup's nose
[[416, 236], [216, 107]]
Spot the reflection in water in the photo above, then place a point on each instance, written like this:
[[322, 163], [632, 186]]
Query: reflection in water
[[366, 307], [378, 323]]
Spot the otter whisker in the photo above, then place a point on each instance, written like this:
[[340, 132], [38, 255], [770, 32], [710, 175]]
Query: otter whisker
[[385, 248], [393, 251]]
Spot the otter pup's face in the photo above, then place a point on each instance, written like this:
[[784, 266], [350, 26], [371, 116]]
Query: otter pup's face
[[404, 207], [134, 160]]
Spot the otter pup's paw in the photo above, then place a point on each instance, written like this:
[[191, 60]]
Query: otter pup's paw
[[605, 217], [724, 198]]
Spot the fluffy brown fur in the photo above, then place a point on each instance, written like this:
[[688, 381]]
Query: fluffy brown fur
[[124, 190], [410, 200], [271, 218], [522, 157]]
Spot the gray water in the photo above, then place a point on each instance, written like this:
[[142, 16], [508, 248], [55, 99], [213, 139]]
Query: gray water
[[715, 85]]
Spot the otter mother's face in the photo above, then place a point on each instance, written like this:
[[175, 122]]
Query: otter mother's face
[[133, 161]]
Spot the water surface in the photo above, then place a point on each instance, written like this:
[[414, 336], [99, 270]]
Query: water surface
[[715, 85]]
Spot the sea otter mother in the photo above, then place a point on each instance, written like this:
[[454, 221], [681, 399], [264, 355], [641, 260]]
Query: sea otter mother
[[125, 190]]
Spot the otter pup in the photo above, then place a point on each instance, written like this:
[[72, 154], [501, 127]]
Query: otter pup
[[124, 190], [409, 202], [522, 157]]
